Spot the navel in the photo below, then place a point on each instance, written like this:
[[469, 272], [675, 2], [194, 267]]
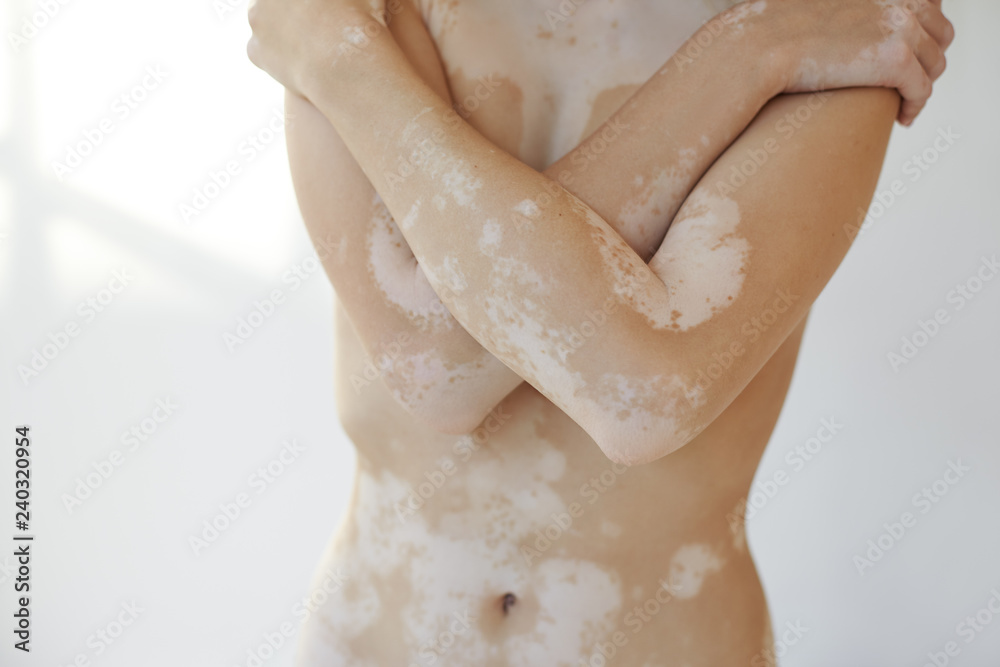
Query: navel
[[507, 601]]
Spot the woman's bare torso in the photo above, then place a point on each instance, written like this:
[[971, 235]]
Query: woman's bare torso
[[521, 543]]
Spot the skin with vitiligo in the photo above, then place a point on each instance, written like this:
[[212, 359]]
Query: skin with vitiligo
[[527, 544]]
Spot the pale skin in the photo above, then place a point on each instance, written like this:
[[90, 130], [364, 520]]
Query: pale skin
[[518, 279]]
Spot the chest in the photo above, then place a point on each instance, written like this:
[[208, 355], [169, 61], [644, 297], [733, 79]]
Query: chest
[[537, 76]]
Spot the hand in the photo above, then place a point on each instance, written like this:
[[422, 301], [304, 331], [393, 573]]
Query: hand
[[291, 37], [846, 43]]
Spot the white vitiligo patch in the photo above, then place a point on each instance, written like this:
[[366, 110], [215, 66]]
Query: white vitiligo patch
[[451, 275], [465, 554], [611, 529], [415, 374], [411, 217], [812, 76], [631, 280], [545, 50], [413, 126], [644, 411], [392, 267], [658, 198], [740, 537], [568, 588], [703, 262], [453, 173], [461, 185], [354, 35], [524, 329], [519, 329], [689, 567], [527, 208], [628, 397], [490, 239], [743, 11]]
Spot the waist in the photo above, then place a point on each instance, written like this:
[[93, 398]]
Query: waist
[[529, 575]]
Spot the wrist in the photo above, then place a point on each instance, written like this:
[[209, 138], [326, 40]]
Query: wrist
[[746, 37], [351, 45]]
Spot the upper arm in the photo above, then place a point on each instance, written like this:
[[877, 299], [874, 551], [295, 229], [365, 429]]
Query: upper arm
[[442, 375], [752, 247]]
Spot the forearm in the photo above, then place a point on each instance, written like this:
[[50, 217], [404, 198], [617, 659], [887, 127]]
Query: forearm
[[634, 170], [522, 260], [444, 375], [518, 276]]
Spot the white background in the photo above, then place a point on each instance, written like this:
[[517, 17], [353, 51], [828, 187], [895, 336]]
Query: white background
[[161, 337]]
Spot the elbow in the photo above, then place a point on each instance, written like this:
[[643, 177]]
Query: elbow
[[633, 451], [634, 446], [468, 419]]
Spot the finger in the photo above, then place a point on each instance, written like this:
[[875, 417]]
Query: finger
[[937, 26], [916, 88], [929, 53]]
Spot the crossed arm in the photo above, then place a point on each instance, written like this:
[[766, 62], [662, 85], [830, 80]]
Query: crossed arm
[[548, 272]]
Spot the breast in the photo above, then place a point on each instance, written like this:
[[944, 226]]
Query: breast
[[536, 77]]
